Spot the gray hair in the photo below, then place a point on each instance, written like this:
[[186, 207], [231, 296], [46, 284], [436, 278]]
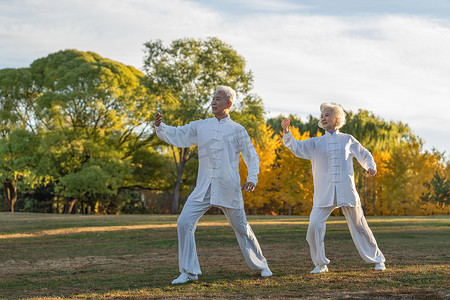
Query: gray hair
[[229, 92], [338, 112]]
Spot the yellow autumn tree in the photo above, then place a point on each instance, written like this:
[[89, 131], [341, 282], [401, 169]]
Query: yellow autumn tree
[[373, 199], [266, 148], [403, 185], [294, 181]]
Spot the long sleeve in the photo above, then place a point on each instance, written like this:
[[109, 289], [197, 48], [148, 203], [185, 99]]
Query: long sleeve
[[250, 156], [302, 149], [181, 136], [361, 154]]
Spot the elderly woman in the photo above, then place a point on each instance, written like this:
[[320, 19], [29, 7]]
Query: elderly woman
[[220, 141], [331, 156]]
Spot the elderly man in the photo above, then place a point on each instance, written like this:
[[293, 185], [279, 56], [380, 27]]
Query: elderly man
[[220, 142], [332, 156]]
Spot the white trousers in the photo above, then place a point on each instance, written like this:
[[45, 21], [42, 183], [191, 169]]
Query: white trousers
[[187, 223], [359, 229]]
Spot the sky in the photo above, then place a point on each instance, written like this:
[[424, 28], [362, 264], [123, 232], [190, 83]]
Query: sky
[[390, 57]]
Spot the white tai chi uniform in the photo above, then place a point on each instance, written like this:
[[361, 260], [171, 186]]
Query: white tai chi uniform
[[220, 143], [331, 157]]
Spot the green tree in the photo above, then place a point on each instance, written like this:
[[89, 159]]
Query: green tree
[[373, 132], [92, 108], [18, 95], [152, 170], [18, 101], [438, 187], [311, 125], [185, 75], [439, 190], [95, 183], [17, 153]]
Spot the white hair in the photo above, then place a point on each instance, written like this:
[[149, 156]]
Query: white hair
[[338, 112], [229, 92]]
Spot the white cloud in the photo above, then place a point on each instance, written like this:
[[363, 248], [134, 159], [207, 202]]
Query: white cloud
[[268, 6], [394, 65], [116, 29]]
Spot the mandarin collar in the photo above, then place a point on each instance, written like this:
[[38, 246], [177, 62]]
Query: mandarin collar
[[224, 120], [332, 134]]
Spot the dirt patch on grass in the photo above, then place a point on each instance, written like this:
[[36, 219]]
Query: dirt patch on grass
[[73, 265]]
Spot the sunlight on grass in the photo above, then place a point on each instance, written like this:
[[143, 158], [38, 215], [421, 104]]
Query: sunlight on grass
[[65, 231], [285, 220]]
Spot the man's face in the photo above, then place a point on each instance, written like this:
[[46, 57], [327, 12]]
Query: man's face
[[328, 120], [219, 103]]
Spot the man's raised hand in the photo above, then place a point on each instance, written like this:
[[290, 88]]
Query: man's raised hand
[[158, 118], [285, 124]]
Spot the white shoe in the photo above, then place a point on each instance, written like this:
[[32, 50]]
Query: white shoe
[[185, 277], [380, 267], [319, 269], [266, 272]]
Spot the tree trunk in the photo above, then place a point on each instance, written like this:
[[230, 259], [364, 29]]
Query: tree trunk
[[359, 188], [176, 192], [184, 155], [374, 197], [11, 194], [57, 204], [69, 206]]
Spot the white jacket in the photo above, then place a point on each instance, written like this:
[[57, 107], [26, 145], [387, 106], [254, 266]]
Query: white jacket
[[331, 156], [219, 146]]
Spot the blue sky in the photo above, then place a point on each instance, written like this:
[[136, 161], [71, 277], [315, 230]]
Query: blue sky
[[389, 57]]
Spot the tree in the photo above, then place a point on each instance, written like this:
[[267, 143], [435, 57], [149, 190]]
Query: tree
[[17, 153], [294, 176], [92, 109], [93, 95], [185, 75], [376, 204], [438, 187], [374, 133], [18, 101], [311, 125], [438, 190], [266, 148], [18, 96], [407, 171], [94, 184], [151, 169]]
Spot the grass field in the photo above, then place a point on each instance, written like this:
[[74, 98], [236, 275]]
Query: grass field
[[135, 257]]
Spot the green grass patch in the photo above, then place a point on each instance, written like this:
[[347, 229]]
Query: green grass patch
[[135, 257]]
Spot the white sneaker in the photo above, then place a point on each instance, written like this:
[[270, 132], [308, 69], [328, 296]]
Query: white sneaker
[[266, 272], [185, 277], [319, 269], [380, 267]]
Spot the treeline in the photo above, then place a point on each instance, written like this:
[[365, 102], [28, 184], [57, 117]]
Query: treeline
[[76, 136]]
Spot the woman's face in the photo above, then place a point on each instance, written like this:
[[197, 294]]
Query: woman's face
[[328, 120]]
